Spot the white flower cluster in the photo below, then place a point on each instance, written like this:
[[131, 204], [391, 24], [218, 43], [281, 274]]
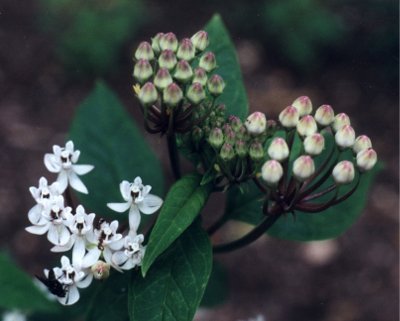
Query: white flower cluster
[[96, 244], [298, 116]]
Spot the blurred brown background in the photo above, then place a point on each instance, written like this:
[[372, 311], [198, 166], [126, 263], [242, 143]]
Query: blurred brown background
[[344, 53]]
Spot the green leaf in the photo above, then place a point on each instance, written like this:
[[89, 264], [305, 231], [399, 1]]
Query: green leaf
[[18, 290], [234, 95], [328, 224], [217, 287], [113, 292], [173, 289], [109, 140], [183, 203]]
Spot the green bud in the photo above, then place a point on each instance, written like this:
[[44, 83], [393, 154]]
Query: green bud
[[200, 76], [197, 134], [230, 137], [167, 59], [216, 138], [216, 85], [142, 70], [168, 41], [183, 71], [256, 151], [196, 93], [148, 94], [241, 148], [144, 51], [227, 152], [208, 61], [200, 40], [172, 95], [235, 122], [242, 133], [186, 50], [155, 42], [220, 109], [162, 78]]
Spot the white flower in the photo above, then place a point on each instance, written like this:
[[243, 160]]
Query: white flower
[[14, 316], [138, 200], [132, 254], [53, 222], [62, 161]]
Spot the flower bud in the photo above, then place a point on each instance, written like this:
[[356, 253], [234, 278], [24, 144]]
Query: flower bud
[[324, 115], [195, 93], [186, 50], [208, 61], [155, 42], [303, 105], [183, 71], [216, 138], [307, 126], [241, 148], [197, 134], [343, 172], [303, 168], [144, 51], [148, 94], [242, 133], [366, 159], [227, 152], [339, 121], [172, 95], [235, 122], [200, 40], [278, 149], [162, 78], [345, 136], [142, 70], [227, 128], [362, 142], [289, 117], [314, 144], [230, 137], [256, 151], [168, 41], [100, 270], [200, 76], [271, 172], [215, 85], [256, 123], [167, 59]]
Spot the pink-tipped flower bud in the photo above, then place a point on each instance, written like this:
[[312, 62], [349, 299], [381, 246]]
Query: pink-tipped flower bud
[[345, 136], [289, 117], [163, 78], [200, 76], [216, 138], [144, 51], [216, 85], [366, 159], [361, 143], [197, 134], [303, 168], [314, 144], [186, 50], [208, 61], [256, 123], [148, 94], [155, 42], [235, 122], [200, 40], [230, 137], [172, 95], [227, 152], [168, 41], [272, 172], [324, 115], [142, 70], [100, 270], [167, 59], [241, 148], [303, 105], [256, 151], [183, 71], [307, 126], [196, 93], [340, 120], [278, 149], [343, 172]]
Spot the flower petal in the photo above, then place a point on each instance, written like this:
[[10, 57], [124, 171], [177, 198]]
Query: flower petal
[[69, 146], [85, 282], [119, 207], [125, 189], [62, 180], [151, 203], [35, 215], [134, 218], [119, 258], [107, 254], [91, 258], [130, 264], [82, 169], [75, 156], [71, 297], [64, 248], [76, 183], [52, 163], [37, 229], [137, 180], [78, 252]]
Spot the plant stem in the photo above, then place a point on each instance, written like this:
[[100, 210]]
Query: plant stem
[[217, 224], [248, 238], [173, 155]]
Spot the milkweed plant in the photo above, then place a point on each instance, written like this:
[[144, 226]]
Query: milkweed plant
[[128, 249]]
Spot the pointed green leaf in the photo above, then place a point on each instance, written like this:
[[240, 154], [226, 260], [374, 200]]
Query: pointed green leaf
[[217, 287], [183, 203], [234, 95], [173, 289], [108, 139]]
